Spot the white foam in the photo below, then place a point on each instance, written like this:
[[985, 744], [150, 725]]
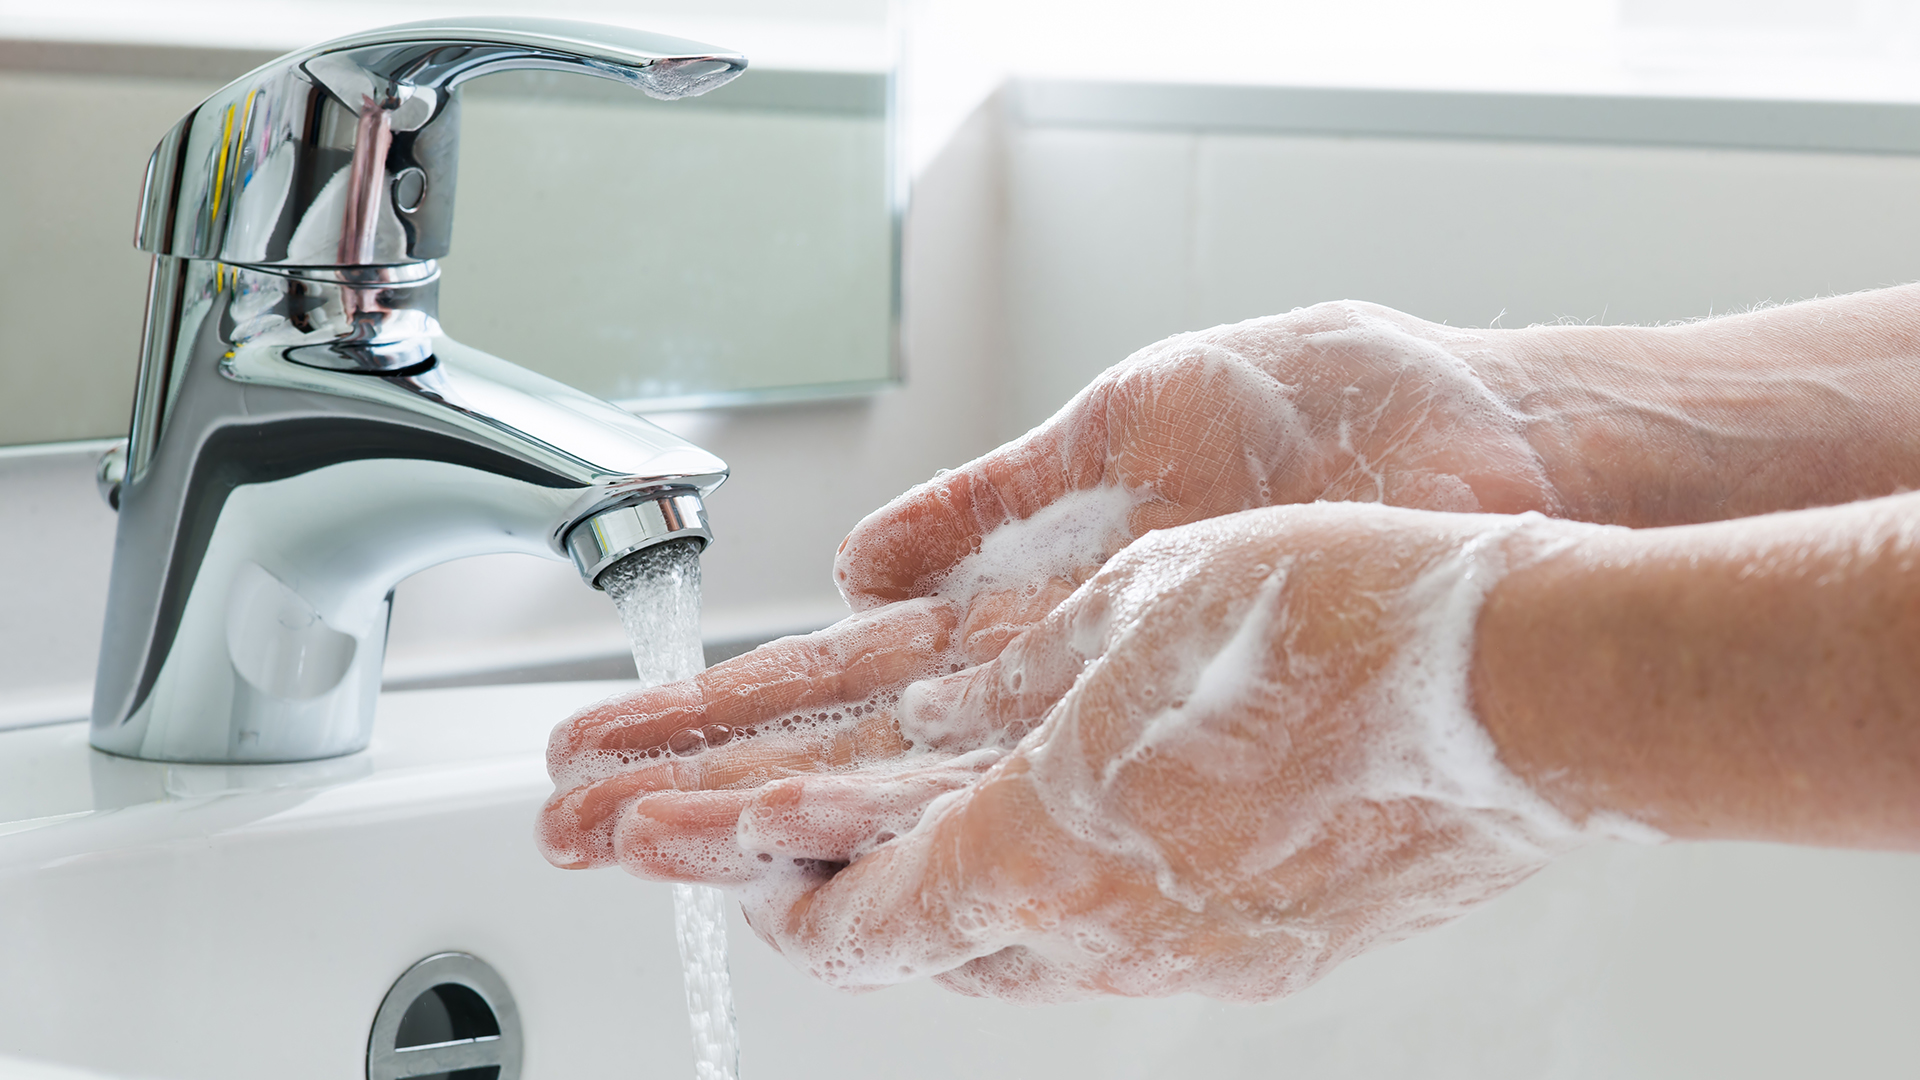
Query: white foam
[[1446, 756], [1075, 533]]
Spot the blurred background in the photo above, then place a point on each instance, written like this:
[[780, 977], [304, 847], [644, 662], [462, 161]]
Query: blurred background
[[913, 230], [922, 226]]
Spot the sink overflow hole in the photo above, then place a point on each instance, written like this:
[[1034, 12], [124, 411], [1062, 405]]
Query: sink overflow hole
[[449, 1017], [447, 1013]]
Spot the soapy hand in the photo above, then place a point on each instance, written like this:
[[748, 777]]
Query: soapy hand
[[1341, 401], [1238, 755], [796, 706], [1345, 402], [1242, 751]]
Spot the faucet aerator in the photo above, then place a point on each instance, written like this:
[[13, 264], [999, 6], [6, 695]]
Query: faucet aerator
[[611, 535]]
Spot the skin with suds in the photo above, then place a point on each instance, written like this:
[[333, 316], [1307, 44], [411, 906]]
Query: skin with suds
[[1118, 714]]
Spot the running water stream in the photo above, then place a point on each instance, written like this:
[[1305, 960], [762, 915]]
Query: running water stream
[[657, 592]]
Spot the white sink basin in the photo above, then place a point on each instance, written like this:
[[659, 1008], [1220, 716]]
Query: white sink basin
[[200, 922]]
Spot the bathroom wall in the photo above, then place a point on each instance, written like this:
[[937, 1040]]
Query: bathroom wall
[[1140, 213], [1055, 233]]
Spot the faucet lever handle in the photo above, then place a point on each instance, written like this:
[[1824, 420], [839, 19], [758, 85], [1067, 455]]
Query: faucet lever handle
[[345, 153]]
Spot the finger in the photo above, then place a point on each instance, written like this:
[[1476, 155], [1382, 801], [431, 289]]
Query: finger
[[839, 669], [995, 619], [1018, 974], [841, 818], [576, 825], [1000, 701], [958, 887], [993, 704], [684, 836], [902, 549], [1190, 430]]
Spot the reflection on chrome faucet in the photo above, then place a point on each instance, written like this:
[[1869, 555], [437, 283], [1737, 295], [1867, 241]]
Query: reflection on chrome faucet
[[305, 435]]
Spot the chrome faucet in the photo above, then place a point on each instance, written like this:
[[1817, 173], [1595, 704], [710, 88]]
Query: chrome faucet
[[304, 436]]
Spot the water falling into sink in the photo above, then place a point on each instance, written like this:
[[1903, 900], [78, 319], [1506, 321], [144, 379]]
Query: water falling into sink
[[657, 591]]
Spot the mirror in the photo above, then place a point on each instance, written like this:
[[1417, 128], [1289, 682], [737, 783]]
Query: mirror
[[736, 247]]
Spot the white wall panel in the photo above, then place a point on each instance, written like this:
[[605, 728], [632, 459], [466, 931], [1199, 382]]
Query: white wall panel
[[1099, 255], [1122, 237], [1460, 231]]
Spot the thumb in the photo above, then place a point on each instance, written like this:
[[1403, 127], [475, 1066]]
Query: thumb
[[908, 546]]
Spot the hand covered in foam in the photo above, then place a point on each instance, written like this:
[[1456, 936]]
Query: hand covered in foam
[[1239, 754], [1344, 402], [1341, 401]]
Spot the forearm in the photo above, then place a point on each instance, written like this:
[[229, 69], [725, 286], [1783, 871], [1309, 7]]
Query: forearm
[[1756, 679], [1812, 404]]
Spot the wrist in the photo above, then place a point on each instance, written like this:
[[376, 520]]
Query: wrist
[[1512, 691], [1471, 758], [1735, 680], [1551, 733], [1811, 404], [1613, 433]]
